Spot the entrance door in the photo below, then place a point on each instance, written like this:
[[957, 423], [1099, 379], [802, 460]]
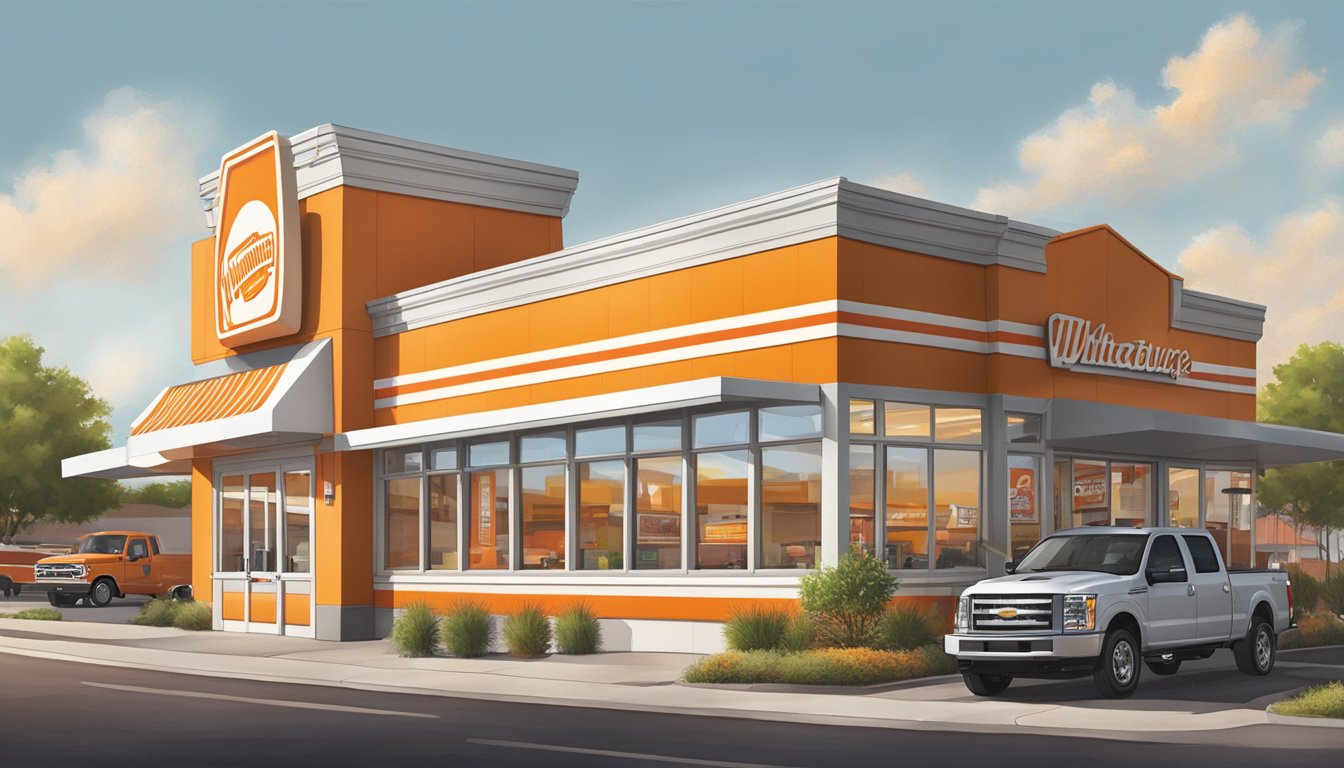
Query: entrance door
[[263, 570]]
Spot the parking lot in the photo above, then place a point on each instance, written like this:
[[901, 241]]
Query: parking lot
[[120, 611]]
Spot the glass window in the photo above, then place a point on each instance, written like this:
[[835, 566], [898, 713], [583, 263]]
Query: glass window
[[543, 517], [549, 446], [1203, 553], [1115, 553], [1183, 497], [599, 441], [602, 516], [1063, 498], [1024, 503], [231, 523], [956, 498], [443, 457], [658, 512], [1024, 428], [401, 528], [138, 549], [721, 509], [907, 508], [1165, 555], [906, 421], [862, 417], [443, 522], [1131, 494], [399, 460], [958, 425], [489, 454], [262, 513], [154, 544], [862, 533], [298, 523], [1227, 514], [789, 422], [790, 505], [714, 429], [658, 436], [1090, 490], [488, 521]]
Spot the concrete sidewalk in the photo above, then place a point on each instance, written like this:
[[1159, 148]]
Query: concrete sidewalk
[[642, 681]]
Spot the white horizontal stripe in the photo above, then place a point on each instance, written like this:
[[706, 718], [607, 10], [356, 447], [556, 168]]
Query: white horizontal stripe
[[1223, 370]]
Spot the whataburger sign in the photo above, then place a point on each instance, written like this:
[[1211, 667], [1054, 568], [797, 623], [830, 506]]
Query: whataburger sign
[[1077, 343], [257, 259]]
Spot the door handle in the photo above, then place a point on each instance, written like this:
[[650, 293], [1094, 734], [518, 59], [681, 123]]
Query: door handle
[[1227, 588], [1190, 589]]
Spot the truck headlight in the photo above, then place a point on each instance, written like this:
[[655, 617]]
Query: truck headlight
[[963, 614], [1080, 613]]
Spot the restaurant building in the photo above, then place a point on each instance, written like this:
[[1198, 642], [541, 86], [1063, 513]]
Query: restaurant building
[[408, 388]]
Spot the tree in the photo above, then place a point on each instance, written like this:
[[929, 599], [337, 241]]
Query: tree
[[175, 494], [47, 414], [845, 603], [1309, 393]]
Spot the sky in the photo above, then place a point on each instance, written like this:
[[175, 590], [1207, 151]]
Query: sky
[[1209, 134]]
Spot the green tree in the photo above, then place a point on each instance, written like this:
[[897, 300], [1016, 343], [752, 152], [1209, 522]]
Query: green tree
[[1309, 392], [175, 493], [46, 414], [845, 603]]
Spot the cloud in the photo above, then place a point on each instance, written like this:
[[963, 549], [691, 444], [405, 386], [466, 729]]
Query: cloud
[[1330, 147], [904, 183], [1115, 148], [108, 209], [1296, 271]]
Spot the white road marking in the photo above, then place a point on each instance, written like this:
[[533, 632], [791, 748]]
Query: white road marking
[[612, 753], [263, 702]]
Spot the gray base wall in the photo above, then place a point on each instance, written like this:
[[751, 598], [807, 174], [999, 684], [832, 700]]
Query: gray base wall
[[345, 622], [619, 634]]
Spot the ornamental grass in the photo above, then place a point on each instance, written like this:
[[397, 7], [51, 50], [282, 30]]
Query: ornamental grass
[[527, 632], [756, 628], [577, 631], [172, 612], [34, 614], [415, 633], [907, 625], [1325, 700], [467, 630]]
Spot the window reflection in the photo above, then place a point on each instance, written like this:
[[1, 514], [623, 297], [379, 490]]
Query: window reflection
[[543, 517], [790, 505], [721, 509], [602, 516], [658, 512]]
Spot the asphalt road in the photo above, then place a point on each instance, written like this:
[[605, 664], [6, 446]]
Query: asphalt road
[[120, 611], [54, 712]]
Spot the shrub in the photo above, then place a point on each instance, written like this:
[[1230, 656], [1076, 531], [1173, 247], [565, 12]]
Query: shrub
[[756, 629], [1314, 630], [800, 635], [467, 630], [158, 612], [1307, 591], [34, 614], [908, 625], [415, 633], [528, 632], [577, 631], [193, 616], [846, 602], [828, 666], [1332, 593]]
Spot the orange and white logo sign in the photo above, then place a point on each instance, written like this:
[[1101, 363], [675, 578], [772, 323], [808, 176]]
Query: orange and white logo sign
[[257, 258]]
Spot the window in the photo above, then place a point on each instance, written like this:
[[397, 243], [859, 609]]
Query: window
[[721, 511], [658, 512], [231, 523], [789, 422], [1117, 553], [1024, 514], [443, 522], [602, 516], [543, 517], [1165, 555], [1203, 553], [1227, 514], [599, 441], [488, 521], [716, 429], [862, 417], [790, 505], [1183, 497], [489, 454], [401, 530], [1090, 490], [958, 425], [1131, 494], [154, 544], [862, 531], [907, 507], [549, 446], [905, 421], [658, 436], [1023, 428], [399, 460], [261, 521], [443, 457], [298, 523], [956, 493], [138, 549]]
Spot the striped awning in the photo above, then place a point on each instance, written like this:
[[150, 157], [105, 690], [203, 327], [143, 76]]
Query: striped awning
[[217, 398]]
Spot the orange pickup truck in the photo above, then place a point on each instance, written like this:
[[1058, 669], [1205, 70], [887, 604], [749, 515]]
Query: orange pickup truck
[[112, 564], [16, 568]]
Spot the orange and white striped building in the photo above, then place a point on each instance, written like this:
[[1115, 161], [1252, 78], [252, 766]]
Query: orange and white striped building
[[416, 392]]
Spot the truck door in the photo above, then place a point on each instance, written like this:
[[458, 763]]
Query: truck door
[[139, 568], [1213, 594], [1171, 604]]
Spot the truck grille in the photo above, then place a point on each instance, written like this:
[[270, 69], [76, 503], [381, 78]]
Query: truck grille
[[59, 571], [1009, 614]]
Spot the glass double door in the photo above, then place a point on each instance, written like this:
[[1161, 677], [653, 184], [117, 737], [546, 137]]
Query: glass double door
[[264, 545]]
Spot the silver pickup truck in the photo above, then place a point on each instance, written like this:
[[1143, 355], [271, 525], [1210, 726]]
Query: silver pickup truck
[[1097, 601]]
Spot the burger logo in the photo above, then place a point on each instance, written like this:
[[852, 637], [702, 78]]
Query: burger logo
[[257, 244]]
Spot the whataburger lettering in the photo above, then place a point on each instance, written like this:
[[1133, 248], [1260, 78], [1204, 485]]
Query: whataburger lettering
[[1074, 342]]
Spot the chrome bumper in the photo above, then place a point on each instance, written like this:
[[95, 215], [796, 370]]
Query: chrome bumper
[[983, 646]]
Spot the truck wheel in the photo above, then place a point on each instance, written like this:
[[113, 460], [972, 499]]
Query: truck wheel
[[1164, 667], [54, 599], [1117, 673], [16, 588], [100, 596], [5, 586], [986, 685], [1255, 655]]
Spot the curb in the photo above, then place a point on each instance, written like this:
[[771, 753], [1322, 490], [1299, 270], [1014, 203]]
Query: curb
[[828, 690], [1309, 722]]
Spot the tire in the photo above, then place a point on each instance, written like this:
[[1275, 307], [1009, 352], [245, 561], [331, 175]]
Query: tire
[[1163, 667], [1117, 673], [1255, 655], [54, 599], [101, 594], [61, 601], [7, 586], [16, 589], [986, 685]]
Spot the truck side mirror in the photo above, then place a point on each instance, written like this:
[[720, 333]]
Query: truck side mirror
[[1175, 574], [1010, 567]]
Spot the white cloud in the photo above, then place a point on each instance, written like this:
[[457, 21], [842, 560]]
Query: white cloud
[[904, 183], [1114, 148], [1296, 271], [107, 209], [1330, 147]]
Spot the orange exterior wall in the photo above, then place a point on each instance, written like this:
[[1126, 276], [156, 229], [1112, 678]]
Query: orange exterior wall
[[202, 529]]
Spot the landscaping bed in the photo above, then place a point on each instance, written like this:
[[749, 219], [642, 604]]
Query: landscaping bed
[[826, 666], [1320, 701], [34, 614]]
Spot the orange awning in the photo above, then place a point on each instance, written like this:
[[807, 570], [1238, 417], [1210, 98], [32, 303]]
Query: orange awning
[[217, 398]]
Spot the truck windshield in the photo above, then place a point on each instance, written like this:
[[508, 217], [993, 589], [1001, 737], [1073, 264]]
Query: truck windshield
[[1108, 553], [102, 545]]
